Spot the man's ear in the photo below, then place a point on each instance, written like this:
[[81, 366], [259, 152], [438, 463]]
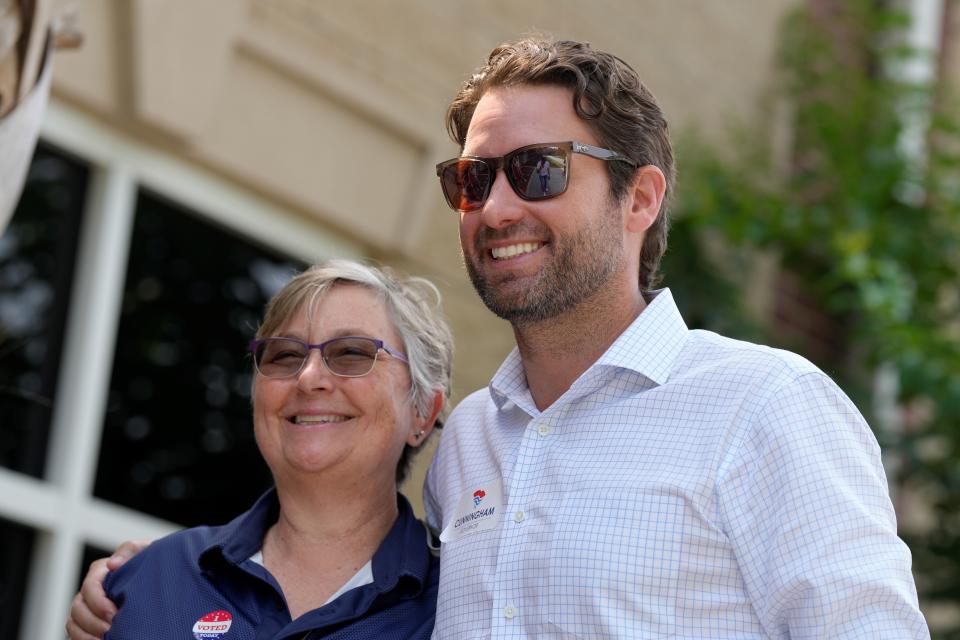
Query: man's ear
[[424, 424], [645, 196]]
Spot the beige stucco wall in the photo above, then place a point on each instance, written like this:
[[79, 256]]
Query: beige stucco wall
[[334, 110]]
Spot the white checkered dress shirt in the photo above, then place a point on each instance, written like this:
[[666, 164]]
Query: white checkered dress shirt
[[685, 486]]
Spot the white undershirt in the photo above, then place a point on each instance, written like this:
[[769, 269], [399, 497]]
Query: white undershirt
[[360, 578]]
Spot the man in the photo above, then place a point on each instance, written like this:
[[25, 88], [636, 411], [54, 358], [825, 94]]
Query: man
[[635, 479], [624, 476]]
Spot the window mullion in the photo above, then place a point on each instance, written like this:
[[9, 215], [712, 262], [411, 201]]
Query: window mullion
[[82, 393]]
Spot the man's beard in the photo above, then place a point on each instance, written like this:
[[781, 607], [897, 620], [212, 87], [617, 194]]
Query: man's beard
[[578, 267]]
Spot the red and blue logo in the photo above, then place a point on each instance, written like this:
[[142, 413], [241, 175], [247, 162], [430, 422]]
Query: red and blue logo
[[478, 497], [212, 626]]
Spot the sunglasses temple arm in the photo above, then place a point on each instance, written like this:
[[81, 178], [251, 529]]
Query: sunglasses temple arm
[[600, 153]]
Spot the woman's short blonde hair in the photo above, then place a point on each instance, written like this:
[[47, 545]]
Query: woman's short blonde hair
[[413, 306]]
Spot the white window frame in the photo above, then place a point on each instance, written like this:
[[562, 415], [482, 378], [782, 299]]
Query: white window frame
[[61, 507]]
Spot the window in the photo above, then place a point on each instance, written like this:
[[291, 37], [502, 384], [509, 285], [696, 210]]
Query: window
[[130, 285], [16, 542], [178, 413], [37, 254]]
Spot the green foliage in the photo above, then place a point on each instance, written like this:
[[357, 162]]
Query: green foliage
[[869, 228]]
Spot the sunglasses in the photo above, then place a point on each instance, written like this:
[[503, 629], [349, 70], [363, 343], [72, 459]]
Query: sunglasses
[[535, 172], [348, 357]]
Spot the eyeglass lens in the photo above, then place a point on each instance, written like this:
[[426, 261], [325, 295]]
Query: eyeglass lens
[[349, 357], [534, 173], [538, 173]]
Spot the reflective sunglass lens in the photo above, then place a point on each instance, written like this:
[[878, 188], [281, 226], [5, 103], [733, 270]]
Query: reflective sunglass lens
[[539, 173], [466, 184], [534, 173], [449, 180]]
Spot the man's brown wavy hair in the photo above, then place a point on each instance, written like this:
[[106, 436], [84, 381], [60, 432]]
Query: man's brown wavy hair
[[607, 94]]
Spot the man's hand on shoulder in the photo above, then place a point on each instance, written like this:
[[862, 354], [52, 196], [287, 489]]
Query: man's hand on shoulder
[[91, 611]]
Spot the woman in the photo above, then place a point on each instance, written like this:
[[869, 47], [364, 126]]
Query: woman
[[353, 372]]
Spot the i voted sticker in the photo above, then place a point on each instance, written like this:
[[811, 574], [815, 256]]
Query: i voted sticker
[[479, 509], [213, 625]]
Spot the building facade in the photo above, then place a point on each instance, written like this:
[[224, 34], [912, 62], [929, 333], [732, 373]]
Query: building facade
[[195, 154]]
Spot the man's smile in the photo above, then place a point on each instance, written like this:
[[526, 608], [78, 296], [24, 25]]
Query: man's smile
[[513, 250]]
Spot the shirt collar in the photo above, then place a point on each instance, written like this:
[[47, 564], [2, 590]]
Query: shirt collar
[[650, 346], [509, 380], [243, 536], [402, 560], [653, 341]]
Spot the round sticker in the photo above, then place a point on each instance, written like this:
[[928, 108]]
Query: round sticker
[[212, 626]]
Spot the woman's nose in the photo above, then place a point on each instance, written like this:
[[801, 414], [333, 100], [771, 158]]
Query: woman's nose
[[314, 374]]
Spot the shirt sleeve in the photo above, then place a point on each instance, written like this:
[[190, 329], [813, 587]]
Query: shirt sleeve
[[431, 503], [804, 501]]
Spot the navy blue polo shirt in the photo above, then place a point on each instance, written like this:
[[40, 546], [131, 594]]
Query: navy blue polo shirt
[[201, 583]]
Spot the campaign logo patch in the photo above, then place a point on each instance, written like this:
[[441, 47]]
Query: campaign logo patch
[[477, 510], [213, 625]]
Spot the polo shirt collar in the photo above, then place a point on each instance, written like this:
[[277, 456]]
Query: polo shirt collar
[[243, 536], [402, 556]]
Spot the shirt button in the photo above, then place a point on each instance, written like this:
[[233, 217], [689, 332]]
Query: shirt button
[[509, 612], [543, 430], [518, 516]]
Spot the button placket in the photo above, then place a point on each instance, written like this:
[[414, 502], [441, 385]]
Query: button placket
[[526, 467]]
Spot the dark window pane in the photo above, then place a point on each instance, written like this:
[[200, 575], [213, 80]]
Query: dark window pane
[[16, 548], [37, 254], [178, 439]]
